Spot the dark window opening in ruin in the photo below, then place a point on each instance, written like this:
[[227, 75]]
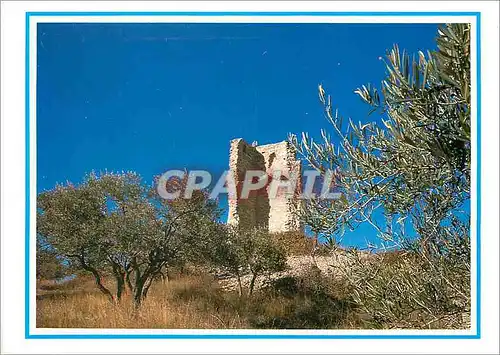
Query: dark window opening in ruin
[[271, 159]]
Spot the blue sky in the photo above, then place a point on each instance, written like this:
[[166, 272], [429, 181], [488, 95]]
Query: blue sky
[[153, 97]]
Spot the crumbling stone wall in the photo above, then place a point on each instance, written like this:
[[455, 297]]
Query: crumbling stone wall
[[254, 210], [279, 213]]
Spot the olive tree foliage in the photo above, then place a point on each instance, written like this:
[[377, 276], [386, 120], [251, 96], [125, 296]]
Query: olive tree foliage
[[247, 251], [71, 219], [403, 290], [49, 266], [114, 224], [414, 166], [409, 177]]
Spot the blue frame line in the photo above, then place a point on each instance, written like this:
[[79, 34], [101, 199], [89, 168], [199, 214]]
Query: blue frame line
[[478, 174], [27, 184], [247, 13], [424, 335]]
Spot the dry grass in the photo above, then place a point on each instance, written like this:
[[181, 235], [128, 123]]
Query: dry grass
[[85, 307], [380, 292], [195, 302]]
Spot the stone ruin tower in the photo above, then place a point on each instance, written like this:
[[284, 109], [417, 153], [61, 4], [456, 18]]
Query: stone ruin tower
[[278, 214]]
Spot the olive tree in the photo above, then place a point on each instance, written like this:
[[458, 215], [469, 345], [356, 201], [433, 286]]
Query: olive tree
[[407, 174], [114, 224], [183, 229], [71, 218], [132, 232], [248, 251], [415, 163]]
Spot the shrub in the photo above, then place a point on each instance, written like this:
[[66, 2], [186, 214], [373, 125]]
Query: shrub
[[311, 301], [405, 290], [248, 251], [297, 243]]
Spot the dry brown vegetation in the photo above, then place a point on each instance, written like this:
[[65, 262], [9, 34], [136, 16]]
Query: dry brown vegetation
[[197, 301], [386, 290], [296, 243]]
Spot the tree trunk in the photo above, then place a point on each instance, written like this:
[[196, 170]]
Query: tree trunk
[[98, 282], [102, 288], [146, 287], [97, 278], [314, 247], [120, 280], [120, 285], [127, 280], [165, 277], [139, 286], [252, 284], [240, 288]]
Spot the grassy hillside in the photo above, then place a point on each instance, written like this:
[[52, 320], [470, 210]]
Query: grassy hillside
[[196, 301], [383, 291]]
